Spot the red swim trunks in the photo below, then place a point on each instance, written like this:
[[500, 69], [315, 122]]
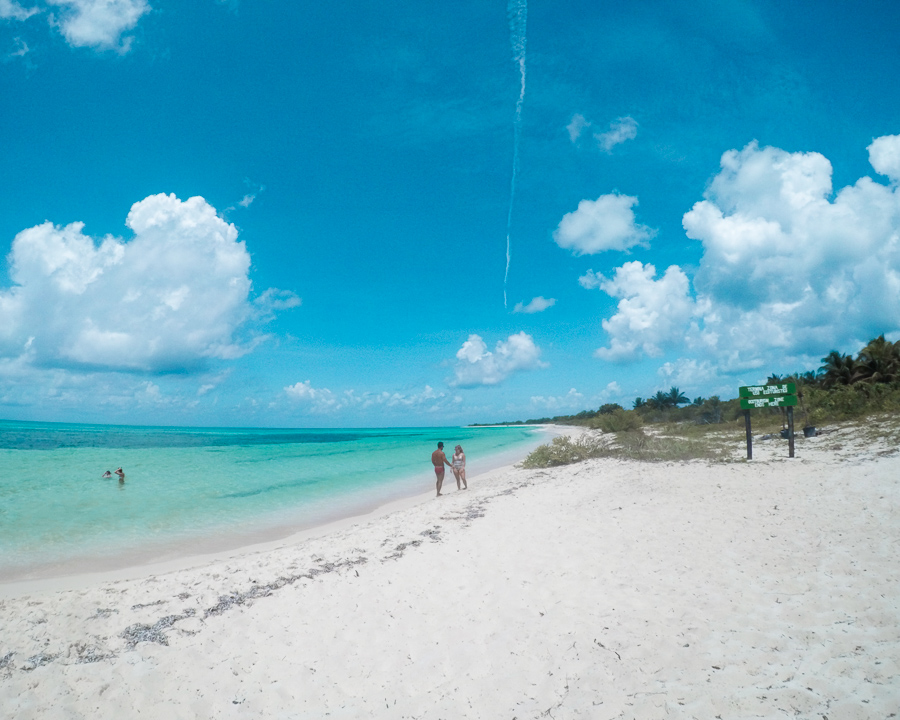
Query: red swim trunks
[[438, 469]]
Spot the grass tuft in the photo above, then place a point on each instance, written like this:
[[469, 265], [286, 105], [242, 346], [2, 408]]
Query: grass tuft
[[628, 445]]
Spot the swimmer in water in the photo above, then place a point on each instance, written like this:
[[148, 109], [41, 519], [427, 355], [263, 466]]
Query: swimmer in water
[[121, 473], [106, 474]]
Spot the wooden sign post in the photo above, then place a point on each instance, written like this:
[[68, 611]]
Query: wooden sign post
[[761, 396]]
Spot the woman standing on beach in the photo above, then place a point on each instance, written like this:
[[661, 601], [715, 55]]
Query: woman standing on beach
[[458, 464]]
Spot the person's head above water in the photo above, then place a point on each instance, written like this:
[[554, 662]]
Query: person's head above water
[[441, 445]]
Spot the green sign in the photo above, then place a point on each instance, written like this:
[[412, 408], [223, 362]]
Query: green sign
[[764, 402], [765, 391]]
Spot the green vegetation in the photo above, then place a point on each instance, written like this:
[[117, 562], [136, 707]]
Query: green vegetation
[[631, 445], [844, 388]]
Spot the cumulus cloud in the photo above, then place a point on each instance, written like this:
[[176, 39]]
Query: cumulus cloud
[[651, 314], [591, 280], [689, 372], [538, 304], [169, 299], [884, 155], [476, 365], [785, 265], [323, 400], [620, 130], [606, 223], [11, 10], [611, 390], [100, 23]]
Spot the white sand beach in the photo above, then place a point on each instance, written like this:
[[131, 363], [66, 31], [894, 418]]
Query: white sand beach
[[605, 589]]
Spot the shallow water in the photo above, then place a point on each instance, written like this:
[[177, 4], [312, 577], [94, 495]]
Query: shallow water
[[188, 485]]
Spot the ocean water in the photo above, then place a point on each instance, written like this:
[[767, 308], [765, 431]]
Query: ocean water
[[191, 490]]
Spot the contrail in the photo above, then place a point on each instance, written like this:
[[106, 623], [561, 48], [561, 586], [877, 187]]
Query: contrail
[[517, 10]]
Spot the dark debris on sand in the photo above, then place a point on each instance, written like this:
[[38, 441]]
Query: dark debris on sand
[[401, 548], [6, 661], [258, 591], [139, 632], [85, 654], [36, 661]]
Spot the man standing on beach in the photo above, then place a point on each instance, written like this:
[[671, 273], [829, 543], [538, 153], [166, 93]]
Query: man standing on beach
[[438, 459]]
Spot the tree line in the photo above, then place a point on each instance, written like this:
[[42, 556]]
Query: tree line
[[844, 386]]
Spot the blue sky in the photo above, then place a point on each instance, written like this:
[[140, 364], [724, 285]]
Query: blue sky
[[295, 214]]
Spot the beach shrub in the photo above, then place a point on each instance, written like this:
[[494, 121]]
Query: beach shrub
[[609, 408], [665, 448], [563, 450], [618, 421], [712, 411], [846, 402], [630, 445]]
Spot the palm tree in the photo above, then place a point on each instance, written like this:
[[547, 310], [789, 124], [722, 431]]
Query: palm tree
[[698, 401], [879, 361], [676, 397], [808, 378], [660, 401], [639, 402], [837, 369], [713, 411]]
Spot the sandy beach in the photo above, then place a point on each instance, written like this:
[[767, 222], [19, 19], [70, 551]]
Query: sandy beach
[[605, 589]]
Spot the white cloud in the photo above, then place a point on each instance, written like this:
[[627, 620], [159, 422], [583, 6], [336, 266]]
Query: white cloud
[[100, 23], [884, 155], [169, 299], [476, 365], [249, 197], [323, 400], [689, 372], [620, 130], [538, 304], [786, 267], [606, 223], [611, 390], [272, 300], [11, 10], [577, 126], [591, 280], [320, 398], [651, 315], [572, 399]]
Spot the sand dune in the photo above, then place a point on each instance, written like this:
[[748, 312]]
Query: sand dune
[[605, 589]]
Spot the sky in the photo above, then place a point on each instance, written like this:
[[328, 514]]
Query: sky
[[306, 214]]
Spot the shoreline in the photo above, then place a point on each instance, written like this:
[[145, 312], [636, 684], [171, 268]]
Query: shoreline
[[181, 554], [609, 588]]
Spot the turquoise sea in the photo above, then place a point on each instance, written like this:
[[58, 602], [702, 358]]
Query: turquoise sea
[[194, 490]]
